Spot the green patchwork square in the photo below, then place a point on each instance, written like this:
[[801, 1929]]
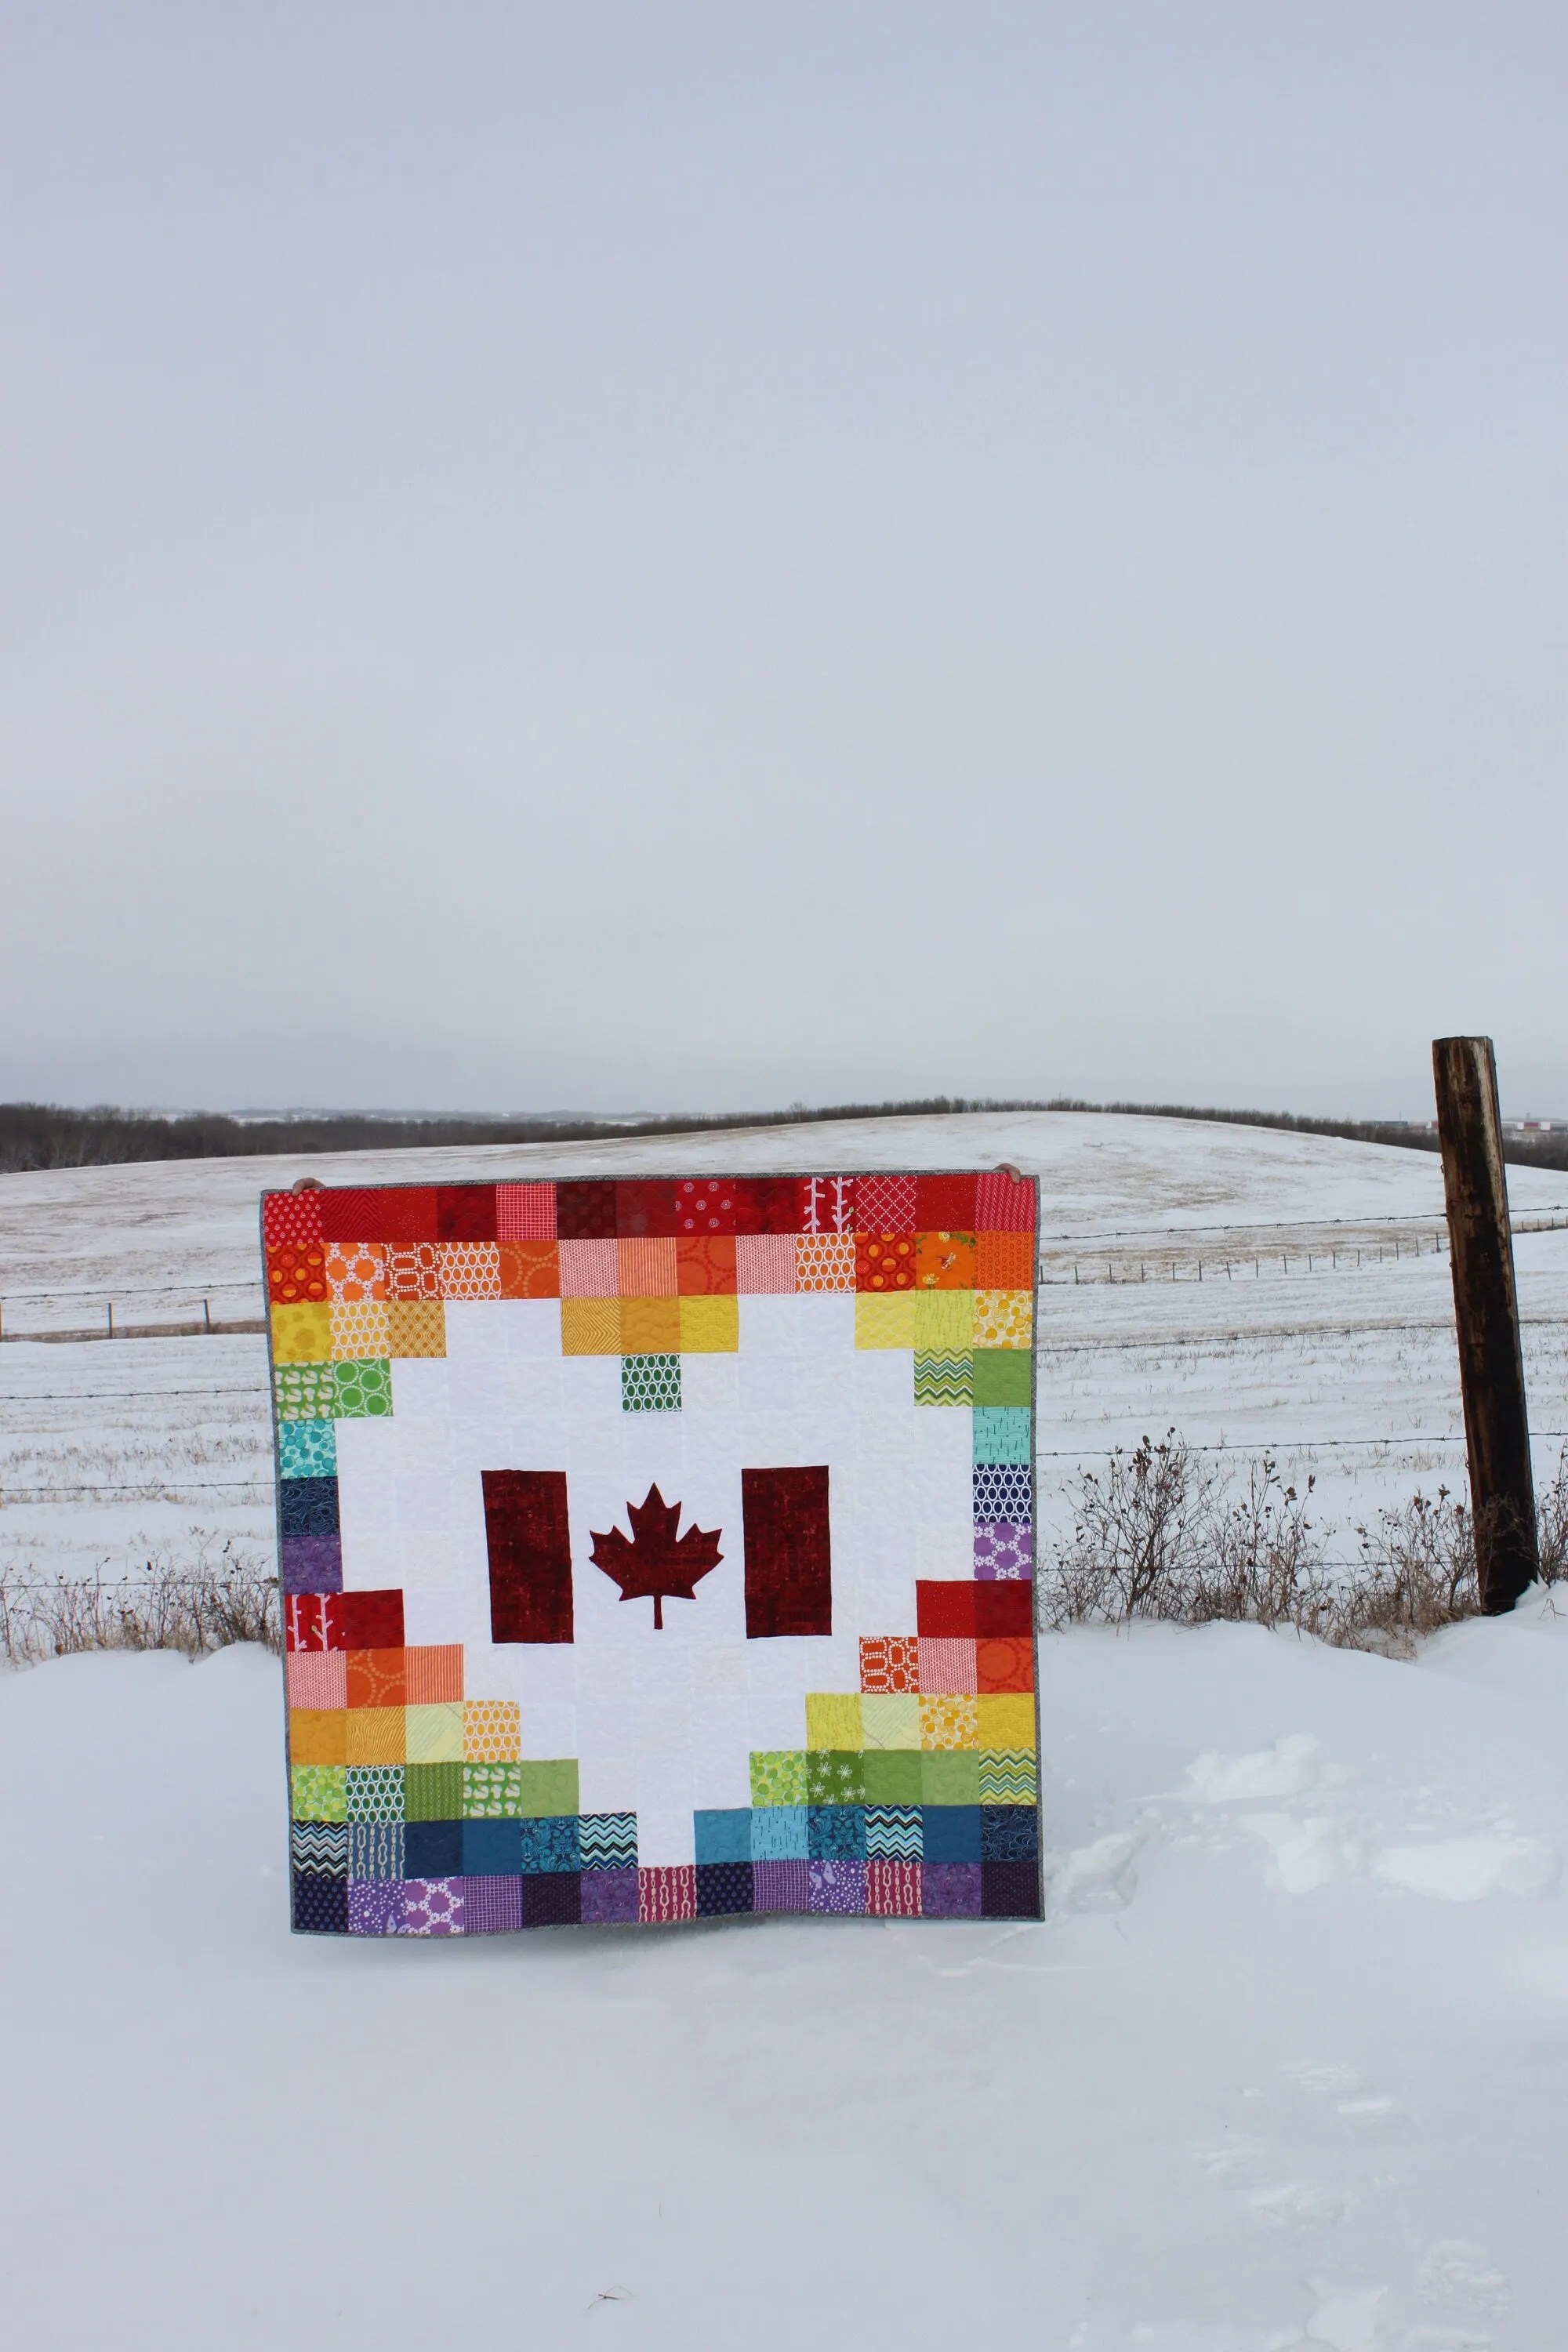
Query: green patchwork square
[[492, 1792], [307, 1449], [548, 1788], [433, 1792], [1002, 1375], [892, 1776], [1008, 1776], [304, 1391], [834, 1776], [375, 1792], [318, 1792], [1001, 1433], [650, 1383], [945, 1376], [950, 1775], [778, 1776], [362, 1388]]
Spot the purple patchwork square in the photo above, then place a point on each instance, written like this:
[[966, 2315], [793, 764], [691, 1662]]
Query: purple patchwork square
[[950, 1890], [609, 1894], [837, 1885], [1003, 1549], [781, 1886], [433, 1907], [312, 1564], [376, 1906], [491, 1906], [551, 1898]]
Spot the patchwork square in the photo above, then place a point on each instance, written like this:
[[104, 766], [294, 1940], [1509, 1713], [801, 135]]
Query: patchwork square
[[719, 1520]]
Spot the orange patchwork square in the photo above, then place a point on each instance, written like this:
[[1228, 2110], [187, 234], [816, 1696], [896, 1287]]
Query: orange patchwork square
[[824, 1262], [651, 1326], [296, 1274], [376, 1678], [530, 1270], [884, 1262], [376, 1735], [646, 1268], [468, 1269], [318, 1734], [413, 1270], [416, 1327], [1006, 1663], [356, 1272], [890, 1662], [945, 1261], [1004, 1261], [706, 1265], [433, 1675]]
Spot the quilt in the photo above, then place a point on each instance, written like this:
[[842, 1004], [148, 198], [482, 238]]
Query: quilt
[[656, 1548]]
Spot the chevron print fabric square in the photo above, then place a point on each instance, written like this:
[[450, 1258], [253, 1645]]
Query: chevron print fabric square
[[657, 1550]]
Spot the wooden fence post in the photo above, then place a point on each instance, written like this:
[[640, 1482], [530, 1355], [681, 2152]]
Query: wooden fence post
[[1485, 1310]]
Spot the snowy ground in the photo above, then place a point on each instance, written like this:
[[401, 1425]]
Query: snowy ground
[[113, 1452], [1286, 2065]]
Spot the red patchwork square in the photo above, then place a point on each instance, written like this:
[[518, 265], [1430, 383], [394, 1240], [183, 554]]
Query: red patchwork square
[[885, 1204], [947, 1668], [316, 1679], [382, 1212], [705, 1204], [826, 1204], [646, 1210], [1005, 1204], [466, 1212], [765, 1263], [893, 1890], [364, 1621], [885, 1262], [296, 1273], [767, 1205], [434, 1674], [705, 1265], [944, 1611], [666, 1895], [304, 1621], [1006, 1663], [292, 1220], [525, 1212], [585, 1211], [944, 1204], [1004, 1608], [890, 1662]]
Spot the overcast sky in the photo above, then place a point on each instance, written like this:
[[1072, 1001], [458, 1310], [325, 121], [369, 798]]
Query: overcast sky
[[673, 556]]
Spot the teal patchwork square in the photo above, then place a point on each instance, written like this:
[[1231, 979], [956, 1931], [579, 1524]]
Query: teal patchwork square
[[307, 1449], [779, 1833], [1002, 1433]]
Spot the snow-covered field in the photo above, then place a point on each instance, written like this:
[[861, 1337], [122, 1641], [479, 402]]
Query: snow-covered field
[[1287, 2064]]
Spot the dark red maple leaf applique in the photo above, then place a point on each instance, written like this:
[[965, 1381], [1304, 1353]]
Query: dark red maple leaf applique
[[653, 1565]]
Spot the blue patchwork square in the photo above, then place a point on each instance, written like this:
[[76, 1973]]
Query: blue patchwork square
[[724, 1837], [836, 1833], [375, 1850], [308, 1506], [433, 1848], [491, 1850], [950, 1832], [607, 1840], [550, 1843], [779, 1833]]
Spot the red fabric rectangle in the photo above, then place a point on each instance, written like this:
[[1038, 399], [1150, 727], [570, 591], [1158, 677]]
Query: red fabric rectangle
[[1004, 1606], [789, 1569], [585, 1211], [304, 1621], [826, 1204], [944, 1204], [705, 1204], [379, 1213], [292, 1220], [364, 1621], [1005, 1204], [530, 1547], [767, 1205], [944, 1611], [666, 1895], [466, 1212], [525, 1212], [894, 1889], [646, 1211]]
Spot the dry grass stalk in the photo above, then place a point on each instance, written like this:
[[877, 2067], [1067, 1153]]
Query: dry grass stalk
[[195, 1607]]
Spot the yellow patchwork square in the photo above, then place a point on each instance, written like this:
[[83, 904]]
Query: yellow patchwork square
[[492, 1731], [944, 1319], [710, 1326], [416, 1327], [376, 1734], [302, 1335], [1004, 1318], [832, 1719], [886, 1322], [651, 1326], [435, 1734], [891, 1719], [361, 1328], [590, 1327], [1006, 1719], [951, 1722]]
